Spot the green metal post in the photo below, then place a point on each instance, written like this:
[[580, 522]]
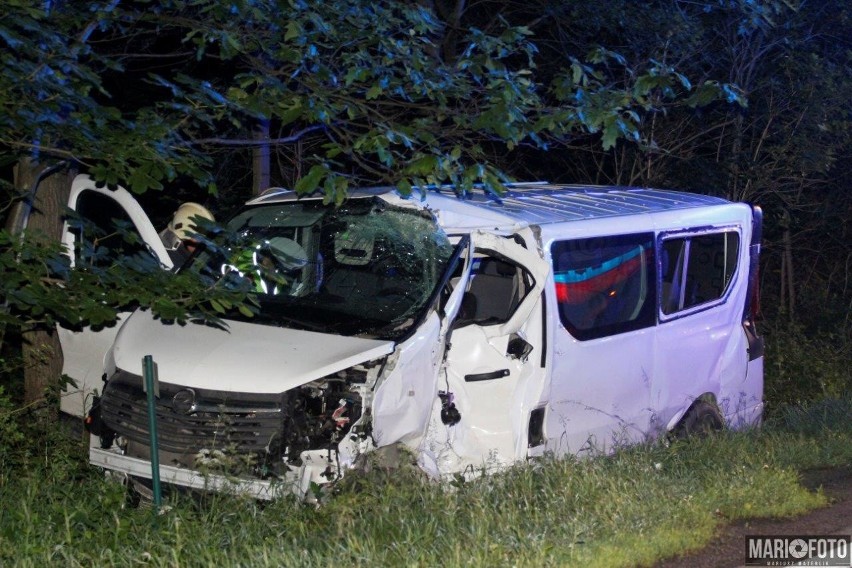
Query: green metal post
[[150, 389]]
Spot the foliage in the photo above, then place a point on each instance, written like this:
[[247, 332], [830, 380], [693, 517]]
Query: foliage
[[10, 431], [365, 79], [634, 507], [369, 84], [787, 150], [786, 62], [40, 289], [802, 368], [56, 105], [814, 417]]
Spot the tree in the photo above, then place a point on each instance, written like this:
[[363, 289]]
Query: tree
[[787, 149], [350, 92]]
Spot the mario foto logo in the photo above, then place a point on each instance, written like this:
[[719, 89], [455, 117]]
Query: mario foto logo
[[800, 550]]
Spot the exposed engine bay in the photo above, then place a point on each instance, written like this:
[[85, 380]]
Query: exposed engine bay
[[258, 435]]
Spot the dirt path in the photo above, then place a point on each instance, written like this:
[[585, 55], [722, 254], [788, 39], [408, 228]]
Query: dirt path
[[728, 548]]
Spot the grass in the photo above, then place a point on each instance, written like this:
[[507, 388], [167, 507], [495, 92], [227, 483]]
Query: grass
[[631, 508]]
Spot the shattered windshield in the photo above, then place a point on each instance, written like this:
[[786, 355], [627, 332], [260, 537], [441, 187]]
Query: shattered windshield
[[365, 268]]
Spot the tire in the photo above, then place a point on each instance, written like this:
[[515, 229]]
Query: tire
[[701, 420], [139, 494]]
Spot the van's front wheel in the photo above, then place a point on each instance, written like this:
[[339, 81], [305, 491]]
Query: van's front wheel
[[702, 418]]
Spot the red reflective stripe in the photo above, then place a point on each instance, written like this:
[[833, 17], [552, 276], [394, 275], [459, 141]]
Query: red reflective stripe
[[561, 292], [580, 292]]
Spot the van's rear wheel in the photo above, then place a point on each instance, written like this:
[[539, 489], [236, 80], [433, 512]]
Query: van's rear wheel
[[702, 419]]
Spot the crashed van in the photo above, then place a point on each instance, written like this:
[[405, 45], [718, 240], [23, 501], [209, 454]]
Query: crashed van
[[477, 332]]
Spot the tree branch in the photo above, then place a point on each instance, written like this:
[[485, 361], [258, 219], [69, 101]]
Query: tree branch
[[248, 143]]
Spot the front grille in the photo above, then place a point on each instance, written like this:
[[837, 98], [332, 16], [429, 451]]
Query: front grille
[[223, 420]]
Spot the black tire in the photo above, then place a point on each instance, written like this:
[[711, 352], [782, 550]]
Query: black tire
[[139, 494], [702, 419]]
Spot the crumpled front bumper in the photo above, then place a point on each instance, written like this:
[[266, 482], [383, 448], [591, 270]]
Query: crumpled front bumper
[[297, 482]]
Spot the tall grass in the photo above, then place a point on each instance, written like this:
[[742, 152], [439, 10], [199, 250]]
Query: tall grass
[[630, 508], [805, 366]]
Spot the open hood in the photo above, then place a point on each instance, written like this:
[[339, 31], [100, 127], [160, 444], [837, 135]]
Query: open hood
[[238, 358]]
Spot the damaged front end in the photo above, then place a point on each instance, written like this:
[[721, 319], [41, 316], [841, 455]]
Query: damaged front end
[[261, 444], [282, 398]]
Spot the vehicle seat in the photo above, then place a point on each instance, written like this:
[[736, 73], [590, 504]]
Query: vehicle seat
[[495, 288]]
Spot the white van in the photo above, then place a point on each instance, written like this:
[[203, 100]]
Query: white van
[[477, 332]]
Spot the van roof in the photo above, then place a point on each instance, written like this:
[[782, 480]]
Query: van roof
[[547, 203], [532, 203]]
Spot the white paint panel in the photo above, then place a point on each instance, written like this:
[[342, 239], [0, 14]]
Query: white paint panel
[[246, 357], [704, 349], [84, 183], [403, 401], [600, 391], [495, 411], [83, 360], [83, 351]]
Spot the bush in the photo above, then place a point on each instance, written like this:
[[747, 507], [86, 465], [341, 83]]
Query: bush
[[805, 367], [10, 432], [814, 418]]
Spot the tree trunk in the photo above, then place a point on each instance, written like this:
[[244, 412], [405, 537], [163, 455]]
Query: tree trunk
[[42, 353], [260, 157], [791, 290], [788, 292]]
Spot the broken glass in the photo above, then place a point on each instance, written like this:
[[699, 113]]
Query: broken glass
[[365, 268]]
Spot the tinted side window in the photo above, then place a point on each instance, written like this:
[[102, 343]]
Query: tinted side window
[[105, 232], [697, 269], [605, 285]]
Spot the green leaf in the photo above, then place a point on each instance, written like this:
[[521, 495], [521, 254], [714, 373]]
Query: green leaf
[[705, 94], [290, 114], [293, 30], [422, 166], [610, 133], [310, 182], [373, 92], [217, 305]]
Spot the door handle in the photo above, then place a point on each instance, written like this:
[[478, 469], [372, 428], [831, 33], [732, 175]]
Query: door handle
[[487, 376]]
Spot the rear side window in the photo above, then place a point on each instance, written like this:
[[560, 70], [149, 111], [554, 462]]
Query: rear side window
[[605, 285], [697, 269]]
